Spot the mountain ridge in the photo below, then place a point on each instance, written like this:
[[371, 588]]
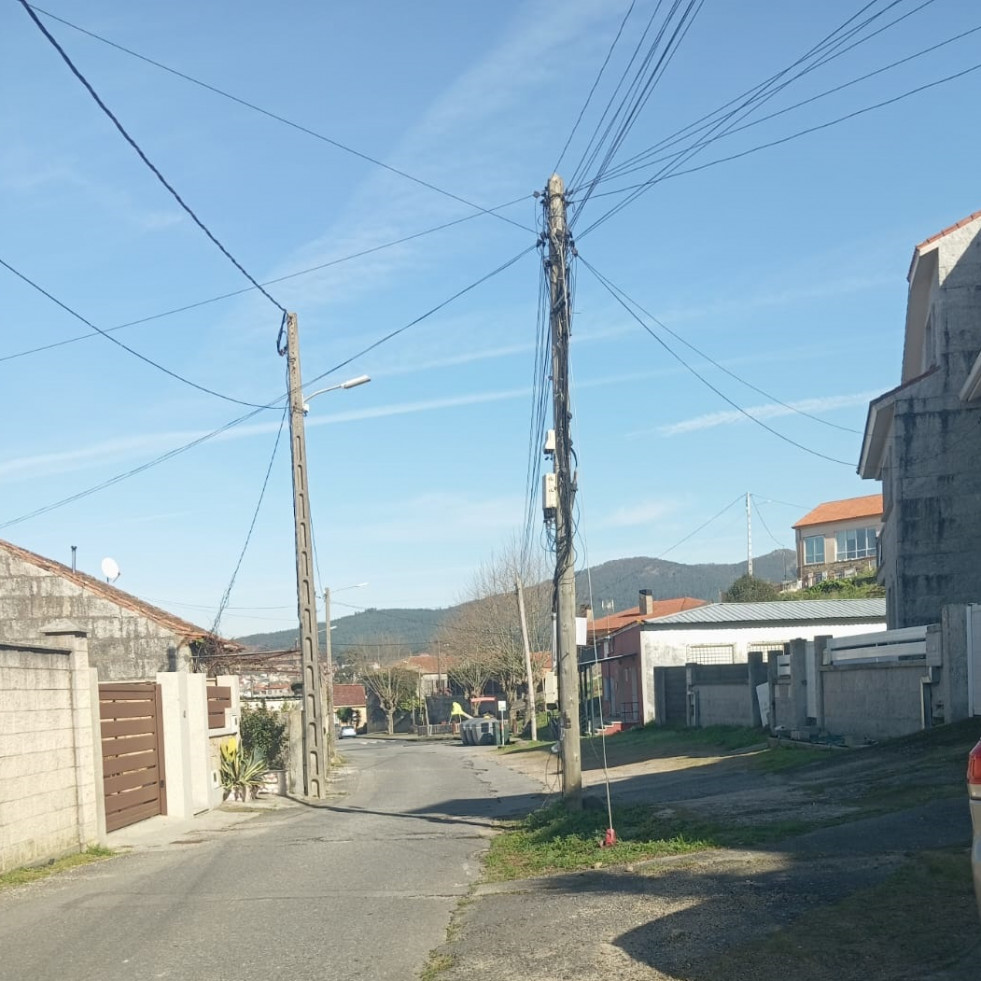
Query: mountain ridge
[[615, 585]]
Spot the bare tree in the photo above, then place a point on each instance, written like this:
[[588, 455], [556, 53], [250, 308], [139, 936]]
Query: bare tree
[[485, 635], [395, 686]]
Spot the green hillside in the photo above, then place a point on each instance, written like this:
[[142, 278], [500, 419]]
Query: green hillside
[[617, 582]]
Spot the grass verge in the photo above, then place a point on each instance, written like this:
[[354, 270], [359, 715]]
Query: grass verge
[[555, 839], [20, 877], [921, 919]]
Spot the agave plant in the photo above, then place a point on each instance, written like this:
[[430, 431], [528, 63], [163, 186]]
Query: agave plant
[[241, 772]]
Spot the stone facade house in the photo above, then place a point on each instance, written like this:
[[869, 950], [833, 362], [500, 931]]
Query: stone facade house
[[128, 639], [839, 539], [922, 438]]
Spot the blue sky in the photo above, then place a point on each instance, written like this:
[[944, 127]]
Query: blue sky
[[787, 266]]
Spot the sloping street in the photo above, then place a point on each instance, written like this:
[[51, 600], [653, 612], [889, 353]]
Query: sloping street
[[363, 886]]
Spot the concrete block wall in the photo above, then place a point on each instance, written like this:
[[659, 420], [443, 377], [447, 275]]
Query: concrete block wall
[[865, 702], [50, 779], [123, 645]]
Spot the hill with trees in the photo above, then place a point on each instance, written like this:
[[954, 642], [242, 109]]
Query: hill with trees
[[615, 586]]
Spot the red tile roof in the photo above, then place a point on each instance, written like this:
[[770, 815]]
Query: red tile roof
[[948, 230], [347, 695], [661, 608], [109, 592], [869, 506], [933, 239], [424, 664]]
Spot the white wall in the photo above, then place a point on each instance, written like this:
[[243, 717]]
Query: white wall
[[668, 646]]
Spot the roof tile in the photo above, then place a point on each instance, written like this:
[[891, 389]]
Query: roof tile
[[869, 506], [109, 592]]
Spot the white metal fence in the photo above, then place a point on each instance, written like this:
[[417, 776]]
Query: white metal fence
[[906, 644]]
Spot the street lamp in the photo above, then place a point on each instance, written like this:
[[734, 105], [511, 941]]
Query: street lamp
[[314, 758], [350, 383]]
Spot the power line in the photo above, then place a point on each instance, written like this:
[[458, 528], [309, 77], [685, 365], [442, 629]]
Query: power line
[[226, 595], [633, 165], [615, 293], [120, 344], [596, 82], [412, 323], [197, 441], [275, 116], [670, 49], [765, 91], [732, 374], [830, 47], [160, 177], [766, 527], [639, 189], [170, 454], [269, 282]]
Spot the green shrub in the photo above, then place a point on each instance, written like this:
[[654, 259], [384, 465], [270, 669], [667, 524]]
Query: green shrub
[[264, 733]]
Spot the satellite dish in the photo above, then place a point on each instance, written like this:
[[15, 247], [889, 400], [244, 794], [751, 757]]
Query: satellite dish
[[110, 569]]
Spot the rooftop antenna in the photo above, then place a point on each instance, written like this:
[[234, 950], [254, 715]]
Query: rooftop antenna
[[110, 569]]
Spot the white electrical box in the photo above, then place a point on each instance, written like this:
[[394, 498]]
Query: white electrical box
[[550, 443], [550, 498]]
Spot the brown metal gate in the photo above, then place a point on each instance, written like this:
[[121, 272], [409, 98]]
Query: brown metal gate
[[132, 752]]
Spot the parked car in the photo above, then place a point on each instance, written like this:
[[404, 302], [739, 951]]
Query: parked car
[[347, 732], [974, 793]]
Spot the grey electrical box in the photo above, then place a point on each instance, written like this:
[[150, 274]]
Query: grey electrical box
[[550, 499], [550, 443]]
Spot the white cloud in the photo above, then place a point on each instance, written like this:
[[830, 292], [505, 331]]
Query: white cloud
[[772, 410], [632, 516]]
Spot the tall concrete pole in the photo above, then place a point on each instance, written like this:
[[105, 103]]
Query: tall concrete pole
[[329, 673], [749, 534], [565, 582], [529, 674], [314, 759]]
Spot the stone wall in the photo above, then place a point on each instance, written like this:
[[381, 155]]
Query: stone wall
[[123, 645], [932, 471], [50, 765]]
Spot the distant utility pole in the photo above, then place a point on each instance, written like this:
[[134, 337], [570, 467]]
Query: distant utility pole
[[314, 759], [329, 672], [749, 534], [530, 675], [560, 317]]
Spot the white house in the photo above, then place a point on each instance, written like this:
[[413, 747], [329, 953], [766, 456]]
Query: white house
[[726, 633]]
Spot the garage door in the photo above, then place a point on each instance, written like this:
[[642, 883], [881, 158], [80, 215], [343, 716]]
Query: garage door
[[132, 753]]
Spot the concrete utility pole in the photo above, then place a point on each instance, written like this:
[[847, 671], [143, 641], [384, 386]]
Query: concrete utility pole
[[560, 317], [329, 672], [314, 758], [749, 534], [532, 703]]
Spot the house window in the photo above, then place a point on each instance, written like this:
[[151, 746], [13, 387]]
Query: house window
[[855, 543], [711, 654], [814, 550]]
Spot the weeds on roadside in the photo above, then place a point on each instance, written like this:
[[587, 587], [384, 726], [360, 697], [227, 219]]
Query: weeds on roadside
[[32, 873]]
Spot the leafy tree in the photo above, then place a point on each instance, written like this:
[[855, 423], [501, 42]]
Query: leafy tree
[[264, 733], [749, 589]]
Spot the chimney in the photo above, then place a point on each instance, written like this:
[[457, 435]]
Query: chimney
[[585, 610], [646, 603]]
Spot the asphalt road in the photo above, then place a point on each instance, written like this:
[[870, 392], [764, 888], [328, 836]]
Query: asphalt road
[[362, 887]]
